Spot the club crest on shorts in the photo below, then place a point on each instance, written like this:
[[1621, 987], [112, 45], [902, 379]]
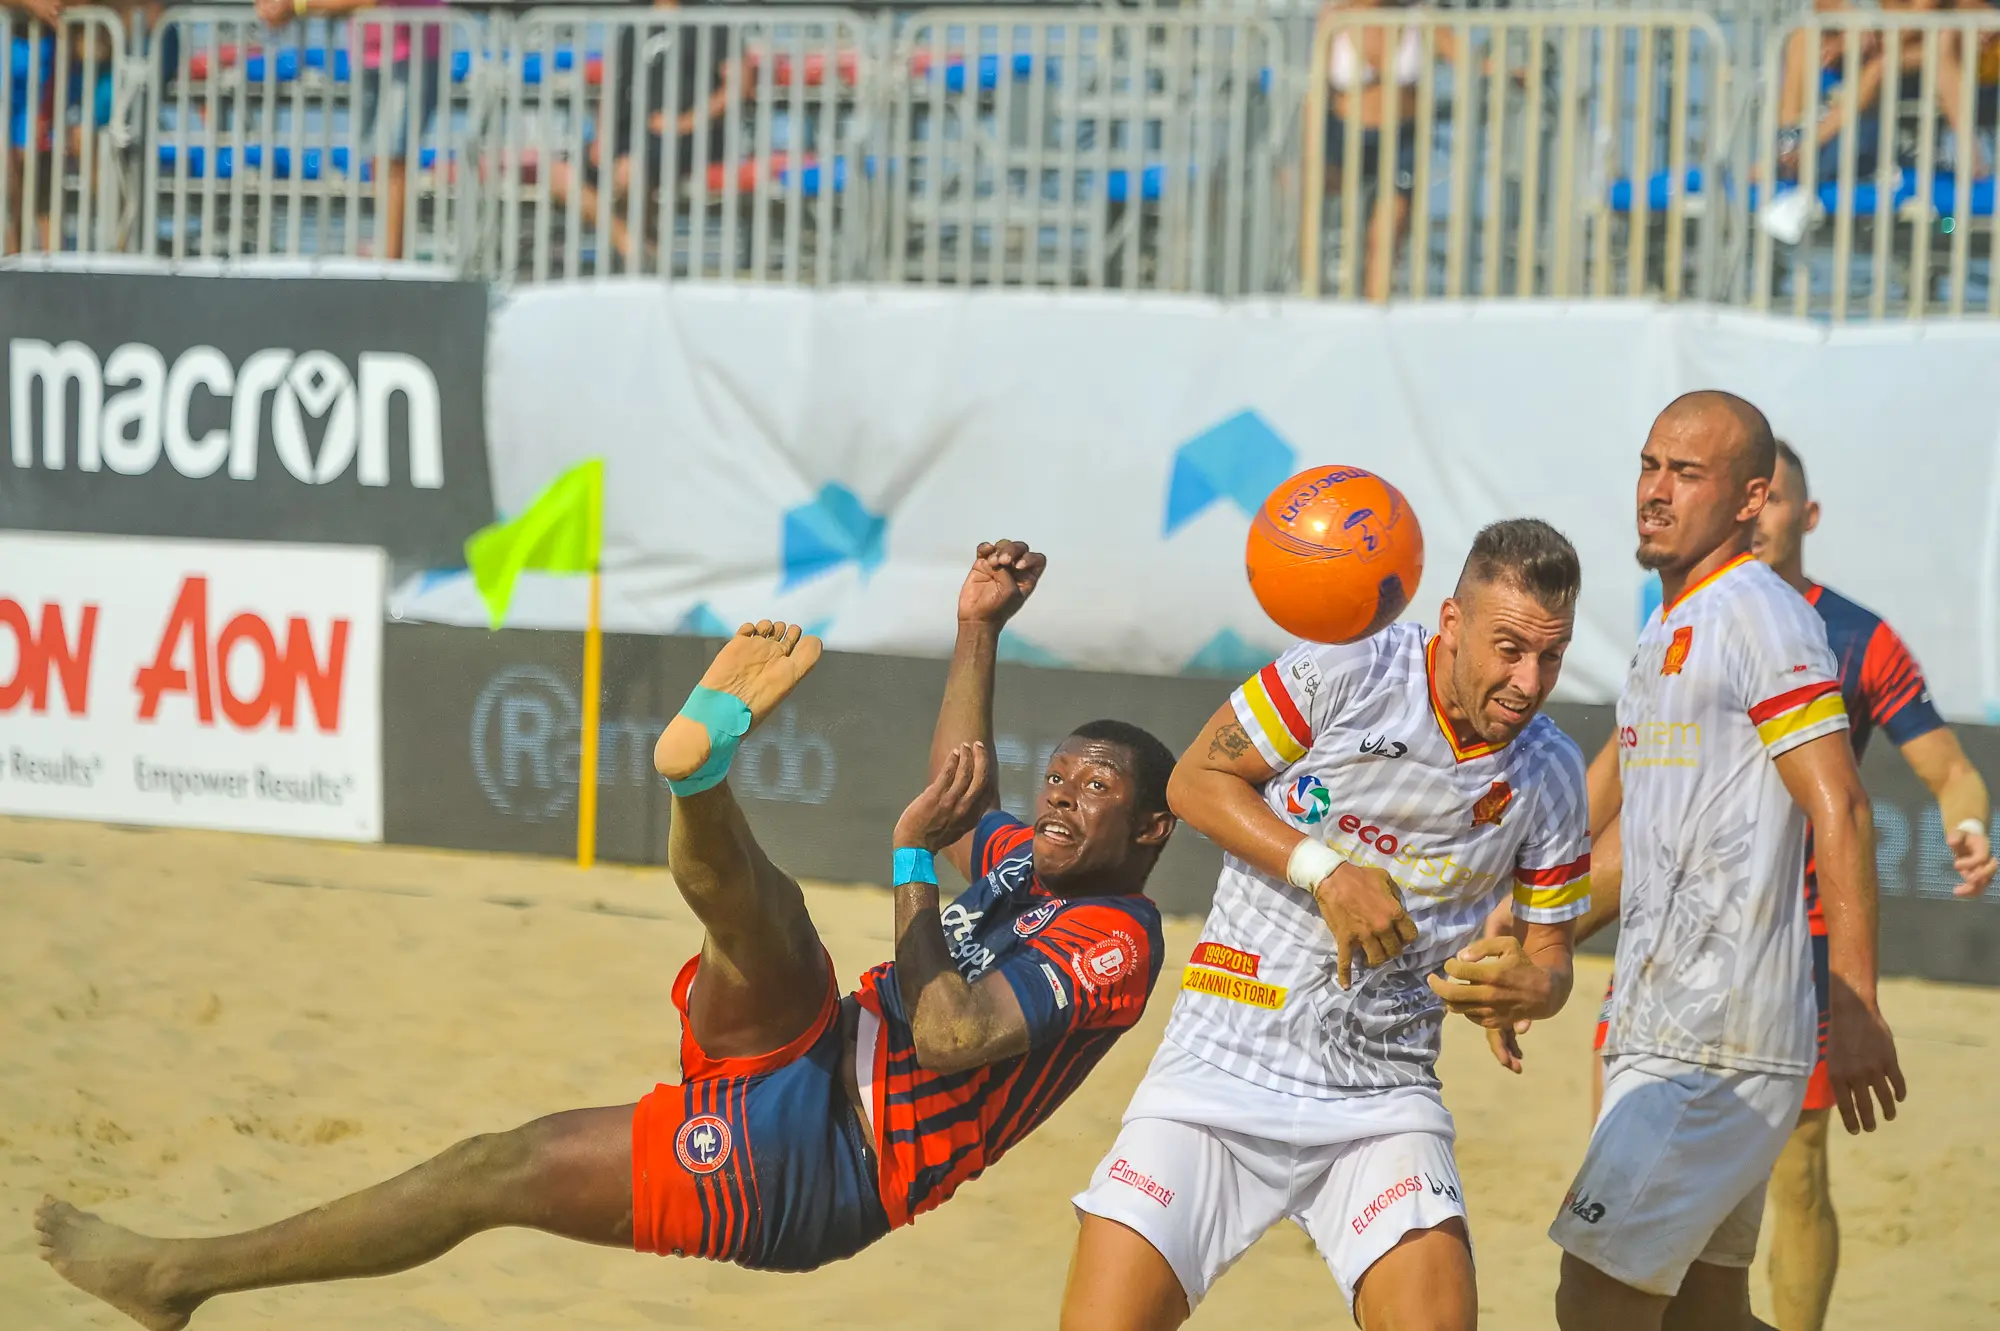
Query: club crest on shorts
[[1490, 808], [1108, 960], [702, 1144], [1677, 650], [1307, 801], [1029, 923]]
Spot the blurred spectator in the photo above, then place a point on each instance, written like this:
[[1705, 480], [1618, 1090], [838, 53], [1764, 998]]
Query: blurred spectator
[[701, 60], [1875, 63], [382, 96], [1364, 74], [1986, 61], [32, 138]]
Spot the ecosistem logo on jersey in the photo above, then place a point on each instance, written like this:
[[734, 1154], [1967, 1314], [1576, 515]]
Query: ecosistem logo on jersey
[[1307, 801], [1423, 872], [1660, 744]]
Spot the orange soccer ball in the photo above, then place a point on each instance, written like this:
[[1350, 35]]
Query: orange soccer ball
[[1334, 554]]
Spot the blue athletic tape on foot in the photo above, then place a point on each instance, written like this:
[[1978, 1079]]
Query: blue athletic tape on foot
[[726, 718]]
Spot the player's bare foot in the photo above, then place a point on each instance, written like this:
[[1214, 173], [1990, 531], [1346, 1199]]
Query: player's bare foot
[[122, 1268], [761, 664]]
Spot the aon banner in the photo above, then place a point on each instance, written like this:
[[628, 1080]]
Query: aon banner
[[192, 684]]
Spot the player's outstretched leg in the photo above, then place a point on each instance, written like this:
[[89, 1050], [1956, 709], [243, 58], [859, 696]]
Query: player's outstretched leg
[[764, 975], [568, 1174]]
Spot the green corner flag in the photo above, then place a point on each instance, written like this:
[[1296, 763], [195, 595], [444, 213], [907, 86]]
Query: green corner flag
[[561, 532]]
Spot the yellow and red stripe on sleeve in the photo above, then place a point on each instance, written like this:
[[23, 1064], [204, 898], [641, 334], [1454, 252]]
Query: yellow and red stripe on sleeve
[[1272, 718], [1550, 896], [1791, 714]]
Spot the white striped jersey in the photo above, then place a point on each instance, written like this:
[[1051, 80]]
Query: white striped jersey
[[1364, 759], [1714, 960]]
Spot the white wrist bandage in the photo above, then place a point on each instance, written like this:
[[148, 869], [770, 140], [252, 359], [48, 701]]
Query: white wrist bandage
[[1971, 827], [1310, 863]]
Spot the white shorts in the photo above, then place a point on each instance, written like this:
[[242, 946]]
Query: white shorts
[[1202, 1194], [1676, 1169]]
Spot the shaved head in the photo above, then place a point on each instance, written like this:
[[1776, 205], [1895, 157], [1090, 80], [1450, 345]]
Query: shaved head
[[1704, 475], [1744, 434]]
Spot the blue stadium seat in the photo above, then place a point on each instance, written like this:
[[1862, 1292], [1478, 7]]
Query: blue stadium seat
[[1659, 191], [313, 163], [1867, 195], [564, 60]]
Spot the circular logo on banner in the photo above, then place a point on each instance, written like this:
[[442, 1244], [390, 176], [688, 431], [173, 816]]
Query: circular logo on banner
[[520, 724], [1031, 922], [1108, 960], [702, 1144]]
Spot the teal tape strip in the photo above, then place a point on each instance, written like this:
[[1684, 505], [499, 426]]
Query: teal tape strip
[[912, 865], [726, 718]]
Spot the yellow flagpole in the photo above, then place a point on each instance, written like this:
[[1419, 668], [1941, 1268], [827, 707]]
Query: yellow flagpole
[[593, 672]]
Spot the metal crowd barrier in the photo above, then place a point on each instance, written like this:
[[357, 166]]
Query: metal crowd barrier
[[65, 88], [348, 137], [1832, 165], [1517, 153], [1084, 148], [765, 173], [1874, 167]]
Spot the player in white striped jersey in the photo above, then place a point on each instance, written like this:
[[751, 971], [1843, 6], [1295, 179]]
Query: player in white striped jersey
[[1731, 731], [1375, 801]]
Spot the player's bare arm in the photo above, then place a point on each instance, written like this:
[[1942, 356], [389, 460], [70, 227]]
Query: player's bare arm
[[957, 1026], [1607, 876], [1606, 790], [1940, 763], [1861, 1053], [1607, 880], [1217, 789], [1003, 576]]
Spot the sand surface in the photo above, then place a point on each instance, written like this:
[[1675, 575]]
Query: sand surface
[[202, 1032]]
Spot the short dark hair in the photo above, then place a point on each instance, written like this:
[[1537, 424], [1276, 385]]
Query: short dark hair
[[1151, 761], [1791, 455], [1530, 554]]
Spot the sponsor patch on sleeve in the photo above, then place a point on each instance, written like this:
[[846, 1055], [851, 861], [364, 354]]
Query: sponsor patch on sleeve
[[1056, 986]]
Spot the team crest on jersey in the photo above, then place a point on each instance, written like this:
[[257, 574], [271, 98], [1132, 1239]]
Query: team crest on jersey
[[702, 1144], [1029, 923], [1677, 650], [1108, 960], [1307, 801], [1490, 808]]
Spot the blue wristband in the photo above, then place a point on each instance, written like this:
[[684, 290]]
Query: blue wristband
[[912, 865]]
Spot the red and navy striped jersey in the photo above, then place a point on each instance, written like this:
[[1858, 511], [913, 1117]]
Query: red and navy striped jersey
[[1881, 684], [1082, 969]]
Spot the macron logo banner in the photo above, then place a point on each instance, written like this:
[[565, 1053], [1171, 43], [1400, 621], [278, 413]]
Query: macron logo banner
[[320, 410], [192, 684]]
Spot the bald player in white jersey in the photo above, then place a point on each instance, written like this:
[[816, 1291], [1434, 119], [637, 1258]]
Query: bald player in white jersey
[[1375, 801], [1731, 731]]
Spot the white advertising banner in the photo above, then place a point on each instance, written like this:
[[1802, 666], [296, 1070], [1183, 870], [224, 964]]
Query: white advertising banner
[[208, 684], [829, 457]]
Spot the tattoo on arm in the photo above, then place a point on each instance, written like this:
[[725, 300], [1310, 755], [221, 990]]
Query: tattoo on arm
[[1230, 742]]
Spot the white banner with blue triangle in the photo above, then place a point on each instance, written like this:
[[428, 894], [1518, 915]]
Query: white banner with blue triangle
[[831, 457]]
